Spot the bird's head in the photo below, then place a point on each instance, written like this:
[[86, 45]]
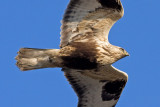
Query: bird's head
[[120, 52], [123, 52], [117, 53]]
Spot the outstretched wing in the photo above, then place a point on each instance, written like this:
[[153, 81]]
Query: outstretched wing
[[89, 16], [96, 92]]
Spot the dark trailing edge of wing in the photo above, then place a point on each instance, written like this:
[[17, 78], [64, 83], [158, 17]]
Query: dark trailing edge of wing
[[110, 90], [78, 88], [70, 9]]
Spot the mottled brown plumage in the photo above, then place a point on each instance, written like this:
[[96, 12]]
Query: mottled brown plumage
[[86, 54]]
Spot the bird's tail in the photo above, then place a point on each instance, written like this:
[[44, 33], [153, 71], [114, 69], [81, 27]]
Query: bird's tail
[[31, 58]]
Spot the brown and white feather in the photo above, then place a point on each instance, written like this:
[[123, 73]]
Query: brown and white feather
[[97, 89], [83, 16]]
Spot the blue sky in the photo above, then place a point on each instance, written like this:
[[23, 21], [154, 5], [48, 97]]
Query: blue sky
[[36, 24]]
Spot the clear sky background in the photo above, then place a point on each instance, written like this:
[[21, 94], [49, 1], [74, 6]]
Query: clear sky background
[[36, 24]]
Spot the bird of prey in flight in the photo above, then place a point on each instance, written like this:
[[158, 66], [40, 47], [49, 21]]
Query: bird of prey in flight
[[85, 54]]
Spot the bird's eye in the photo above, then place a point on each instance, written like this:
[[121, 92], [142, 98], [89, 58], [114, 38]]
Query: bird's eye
[[122, 49]]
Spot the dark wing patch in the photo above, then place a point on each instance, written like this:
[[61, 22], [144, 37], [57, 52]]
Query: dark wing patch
[[78, 10], [80, 63], [94, 92], [112, 90], [83, 57], [115, 4]]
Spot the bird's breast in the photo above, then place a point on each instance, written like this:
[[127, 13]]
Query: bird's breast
[[82, 56], [85, 55]]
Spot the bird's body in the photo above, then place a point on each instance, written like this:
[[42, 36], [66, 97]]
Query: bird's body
[[86, 54]]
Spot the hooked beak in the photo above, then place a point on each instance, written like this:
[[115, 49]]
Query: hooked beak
[[126, 53]]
